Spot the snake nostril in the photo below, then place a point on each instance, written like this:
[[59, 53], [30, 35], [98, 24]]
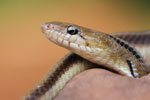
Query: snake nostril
[[48, 26]]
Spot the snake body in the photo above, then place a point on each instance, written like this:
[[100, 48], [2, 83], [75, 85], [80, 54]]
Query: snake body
[[90, 49]]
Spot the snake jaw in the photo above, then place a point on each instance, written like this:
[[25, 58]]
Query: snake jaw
[[59, 35], [75, 43]]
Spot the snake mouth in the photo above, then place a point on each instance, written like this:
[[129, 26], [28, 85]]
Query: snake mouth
[[75, 43], [59, 36]]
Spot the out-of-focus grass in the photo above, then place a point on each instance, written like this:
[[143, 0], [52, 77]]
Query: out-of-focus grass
[[26, 54]]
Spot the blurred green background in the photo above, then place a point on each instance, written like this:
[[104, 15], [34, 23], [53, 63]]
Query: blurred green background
[[26, 55]]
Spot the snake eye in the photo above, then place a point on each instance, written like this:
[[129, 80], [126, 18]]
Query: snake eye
[[73, 30]]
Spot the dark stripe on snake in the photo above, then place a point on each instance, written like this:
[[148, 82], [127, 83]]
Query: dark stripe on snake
[[140, 39], [128, 48], [131, 68]]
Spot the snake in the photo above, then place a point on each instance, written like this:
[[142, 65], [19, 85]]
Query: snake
[[124, 53]]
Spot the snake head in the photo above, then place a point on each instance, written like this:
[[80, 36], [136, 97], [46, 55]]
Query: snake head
[[72, 37]]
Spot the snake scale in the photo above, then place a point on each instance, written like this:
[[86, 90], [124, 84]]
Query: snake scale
[[125, 53]]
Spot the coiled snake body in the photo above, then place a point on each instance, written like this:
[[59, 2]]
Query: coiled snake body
[[91, 49]]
